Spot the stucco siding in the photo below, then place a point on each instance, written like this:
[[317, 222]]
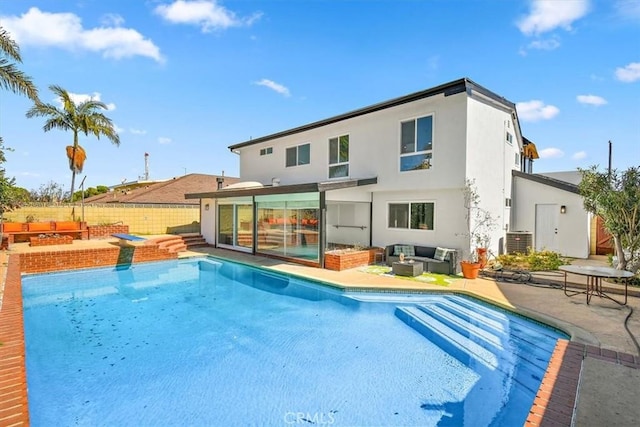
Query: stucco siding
[[573, 226]]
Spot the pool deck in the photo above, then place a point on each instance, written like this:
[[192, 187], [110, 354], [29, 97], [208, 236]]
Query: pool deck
[[591, 380]]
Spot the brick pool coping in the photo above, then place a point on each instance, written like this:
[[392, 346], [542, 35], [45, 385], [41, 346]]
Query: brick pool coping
[[553, 405]]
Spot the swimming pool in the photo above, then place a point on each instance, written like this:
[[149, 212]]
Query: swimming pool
[[209, 342]]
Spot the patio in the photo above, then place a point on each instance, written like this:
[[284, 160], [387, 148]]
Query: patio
[[598, 368]]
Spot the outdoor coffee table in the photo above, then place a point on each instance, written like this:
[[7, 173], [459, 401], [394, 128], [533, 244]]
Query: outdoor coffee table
[[594, 280], [407, 268]]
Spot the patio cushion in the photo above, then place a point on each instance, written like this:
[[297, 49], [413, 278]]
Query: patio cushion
[[407, 250], [39, 226], [11, 226], [67, 225], [442, 254]]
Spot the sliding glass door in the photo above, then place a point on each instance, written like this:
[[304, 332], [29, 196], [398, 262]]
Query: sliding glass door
[[235, 223]]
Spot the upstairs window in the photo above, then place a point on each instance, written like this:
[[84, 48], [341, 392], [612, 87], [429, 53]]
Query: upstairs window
[[299, 155], [416, 144], [509, 138], [339, 157], [265, 151]]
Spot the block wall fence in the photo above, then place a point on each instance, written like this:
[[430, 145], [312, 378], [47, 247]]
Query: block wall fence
[[141, 218]]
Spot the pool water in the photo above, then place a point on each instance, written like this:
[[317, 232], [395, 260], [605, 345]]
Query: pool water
[[208, 342]]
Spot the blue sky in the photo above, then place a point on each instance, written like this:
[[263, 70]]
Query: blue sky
[[185, 79]]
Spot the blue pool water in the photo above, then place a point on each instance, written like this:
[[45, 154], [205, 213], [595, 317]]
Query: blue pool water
[[206, 342]]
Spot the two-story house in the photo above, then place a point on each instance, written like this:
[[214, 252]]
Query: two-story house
[[387, 173]]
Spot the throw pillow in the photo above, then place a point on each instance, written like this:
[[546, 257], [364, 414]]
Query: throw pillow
[[442, 254], [396, 250], [409, 250]]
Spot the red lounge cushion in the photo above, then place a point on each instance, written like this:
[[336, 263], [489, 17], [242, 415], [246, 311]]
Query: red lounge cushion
[[12, 226], [67, 225], [39, 226]]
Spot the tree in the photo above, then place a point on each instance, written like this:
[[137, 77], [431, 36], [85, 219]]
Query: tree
[[615, 198], [84, 117], [11, 78], [51, 192], [14, 80]]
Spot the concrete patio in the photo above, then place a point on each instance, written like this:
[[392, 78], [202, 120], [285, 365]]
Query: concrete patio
[[604, 333]]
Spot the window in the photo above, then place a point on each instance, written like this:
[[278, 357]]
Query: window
[[509, 138], [416, 144], [265, 151], [339, 157], [517, 159], [299, 155], [415, 216], [507, 202]]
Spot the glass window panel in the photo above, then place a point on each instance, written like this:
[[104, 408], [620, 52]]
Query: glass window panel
[[417, 162], [304, 155], [422, 216], [339, 171], [244, 226], [408, 137], [292, 156], [225, 224], [333, 151], [398, 215], [344, 148], [425, 134]]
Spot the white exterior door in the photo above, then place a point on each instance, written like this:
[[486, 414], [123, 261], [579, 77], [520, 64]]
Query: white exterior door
[[547, 227]]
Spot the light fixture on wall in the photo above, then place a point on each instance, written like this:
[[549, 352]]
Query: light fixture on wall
[[206, 207], [563, 209]]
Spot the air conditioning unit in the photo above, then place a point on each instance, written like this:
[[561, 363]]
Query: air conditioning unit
[[519, 241]]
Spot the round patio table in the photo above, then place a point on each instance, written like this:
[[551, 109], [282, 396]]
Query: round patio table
[[594, 280]]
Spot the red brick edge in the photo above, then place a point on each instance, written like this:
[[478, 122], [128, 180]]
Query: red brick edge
[[14, 408], [556, 398]]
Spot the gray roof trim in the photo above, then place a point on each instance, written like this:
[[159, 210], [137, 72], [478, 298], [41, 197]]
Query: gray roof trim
[[314, 187], [448, 89], [545, 180]]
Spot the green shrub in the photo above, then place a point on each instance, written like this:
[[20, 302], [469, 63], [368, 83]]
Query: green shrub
[[532, 261]]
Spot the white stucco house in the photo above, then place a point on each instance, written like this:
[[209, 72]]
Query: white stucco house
[[393, 172]]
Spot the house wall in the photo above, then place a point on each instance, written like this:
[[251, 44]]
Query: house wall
[[374, 149], [490, 158], [449, 219], [573, 226], [208, 220]]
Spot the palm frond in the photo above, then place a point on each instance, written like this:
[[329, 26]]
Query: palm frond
[[11, 78], [8, 46]]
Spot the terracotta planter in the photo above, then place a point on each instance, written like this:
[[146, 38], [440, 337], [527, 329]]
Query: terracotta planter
[[470, 270]]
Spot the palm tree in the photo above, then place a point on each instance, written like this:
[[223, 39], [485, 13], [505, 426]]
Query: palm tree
[[10, 77], [78, 118], [14, 80]]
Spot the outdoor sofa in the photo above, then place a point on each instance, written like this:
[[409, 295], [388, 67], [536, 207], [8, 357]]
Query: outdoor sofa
[[435, 259]]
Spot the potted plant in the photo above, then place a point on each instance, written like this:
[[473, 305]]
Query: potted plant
[[480, 224]]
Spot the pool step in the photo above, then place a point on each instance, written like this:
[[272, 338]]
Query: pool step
[[483, 339]]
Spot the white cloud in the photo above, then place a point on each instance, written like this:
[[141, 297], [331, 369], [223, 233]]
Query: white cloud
[[164, 140], [628, 9], [78, 98], [283, 90], [532, 111], [118, 129], [547, 15], [112, 19], [550, 153], [579, 155], [629, 73], [545, 44], [207, 14], [138, 131], [591, 100], [65, 31]]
